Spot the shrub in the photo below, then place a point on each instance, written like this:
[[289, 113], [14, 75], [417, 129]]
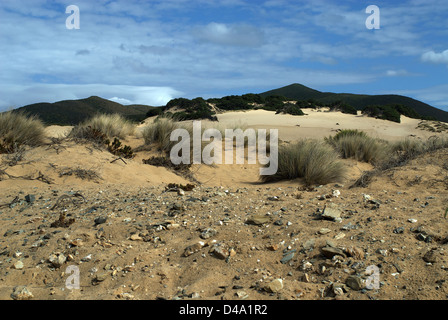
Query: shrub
[[315, 161], [17, 129], [292, 109], [382, 112], [408, 147], [154, 112], [159, 133], [111, 125], [342, 107], [357, 145]]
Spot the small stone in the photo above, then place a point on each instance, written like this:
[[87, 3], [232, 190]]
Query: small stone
[[219, 251], [339, 236], [287, 256], [430, 256], [399, 230], [77, 243], [30, 198], [57, 259], [412, 220], [193, 248], [135, 237], [309, 245], [241, 294], [18, 265], [21, 293], [355, 252], [208, 233], [331, 212], [100, 278], [324, 231], [258, 219], [354, 282], [87, 258], [330, 252], [100, 220], [274, 286]]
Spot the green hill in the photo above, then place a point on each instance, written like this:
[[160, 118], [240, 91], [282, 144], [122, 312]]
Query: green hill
[[72, 112], [359, 101]]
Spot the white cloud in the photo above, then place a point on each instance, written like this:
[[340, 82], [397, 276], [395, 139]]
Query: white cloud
[[235, 34], [433, 57], [396, 73]]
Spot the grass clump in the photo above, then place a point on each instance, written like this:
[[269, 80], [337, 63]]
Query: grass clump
[[111, 125], [355, 144], [18, 129], [101, 129], [314, 161], [159, 133]]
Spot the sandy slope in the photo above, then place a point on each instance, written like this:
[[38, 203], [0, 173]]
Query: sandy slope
[[319, 124]]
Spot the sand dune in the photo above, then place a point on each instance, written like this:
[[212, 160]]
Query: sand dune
[[142, 249]]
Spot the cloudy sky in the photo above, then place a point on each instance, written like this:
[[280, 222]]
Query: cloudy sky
[[149, 52]]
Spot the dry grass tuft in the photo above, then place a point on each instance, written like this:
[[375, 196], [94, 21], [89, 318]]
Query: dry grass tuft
[[315, 161], [111, 125], [18, 129]]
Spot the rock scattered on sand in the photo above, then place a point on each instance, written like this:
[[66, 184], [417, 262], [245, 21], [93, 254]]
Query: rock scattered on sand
[[21, 293]]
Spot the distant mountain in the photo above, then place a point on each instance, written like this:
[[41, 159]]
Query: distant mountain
[[359, 101], [72, 112]]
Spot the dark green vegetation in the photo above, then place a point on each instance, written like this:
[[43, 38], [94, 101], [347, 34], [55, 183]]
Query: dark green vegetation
[[190, 109], [361, 101], [72, 112]]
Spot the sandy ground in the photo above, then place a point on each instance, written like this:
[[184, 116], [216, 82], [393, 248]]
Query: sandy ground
[[230, 238]]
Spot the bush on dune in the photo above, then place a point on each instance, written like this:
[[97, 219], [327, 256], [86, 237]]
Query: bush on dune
[[18, 129], [111, 125], [355, 144], [314, 161], [159, 133]]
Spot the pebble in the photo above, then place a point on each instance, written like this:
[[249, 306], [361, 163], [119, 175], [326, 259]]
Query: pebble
[[287, 256], [21, 293], [274, 286], [324, 231], [354, 282], [208, 233], [100, 220], [258, 219], [331, 212], [57, 259], [188, 251], [330, 252], [18, 265], [430, 256]]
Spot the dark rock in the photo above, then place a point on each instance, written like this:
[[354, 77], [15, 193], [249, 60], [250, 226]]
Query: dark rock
[[399, 230], [100, 220], [288, 256], [354, 282], [30, 198], [330, 252]]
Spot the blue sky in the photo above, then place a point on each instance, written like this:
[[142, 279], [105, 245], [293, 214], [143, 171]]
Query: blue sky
[[148, 52]]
